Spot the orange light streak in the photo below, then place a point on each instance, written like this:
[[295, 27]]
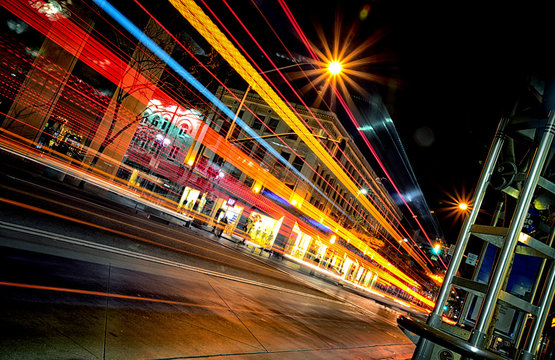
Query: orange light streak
[[164, 301], [372, 201], [118, 232], [238, 159]]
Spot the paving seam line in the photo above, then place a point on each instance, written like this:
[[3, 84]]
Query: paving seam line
[[282, 351]]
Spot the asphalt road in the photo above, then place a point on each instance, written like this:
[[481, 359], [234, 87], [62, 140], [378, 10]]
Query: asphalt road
[[85, 278]]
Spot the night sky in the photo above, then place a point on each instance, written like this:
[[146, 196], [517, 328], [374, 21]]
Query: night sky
[[455, 69]]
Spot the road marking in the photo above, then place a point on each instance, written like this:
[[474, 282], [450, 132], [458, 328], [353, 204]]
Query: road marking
[[80, 242]]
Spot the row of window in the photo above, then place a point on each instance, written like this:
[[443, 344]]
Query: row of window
[[326, 182]]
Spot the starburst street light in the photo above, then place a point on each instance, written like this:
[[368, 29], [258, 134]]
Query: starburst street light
[[335, 67], [457, 206], [342, 62]]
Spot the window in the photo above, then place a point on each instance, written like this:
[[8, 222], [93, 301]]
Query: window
[[285, 155], [174, 151], [272, 125], [339, 156], [318, 169], [236, 132], [246, 146], [260, 152], [256, 125], [298, 162], [218, 160]]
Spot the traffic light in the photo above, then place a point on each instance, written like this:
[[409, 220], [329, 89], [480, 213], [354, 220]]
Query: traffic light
[[436, 249]]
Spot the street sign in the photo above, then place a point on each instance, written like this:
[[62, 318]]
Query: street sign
[[471, 259]]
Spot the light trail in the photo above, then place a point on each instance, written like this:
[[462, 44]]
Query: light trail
[[332, 202], [417, 256], [316, 58], [383, 275], [213, 99], [310, 210], [166, 58], [301, 118], [233, 156], [353, 207], [204, 25]]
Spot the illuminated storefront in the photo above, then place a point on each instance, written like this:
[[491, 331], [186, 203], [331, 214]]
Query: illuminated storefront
[[301, 242], [263, 229], [192, 200], [231, 210]]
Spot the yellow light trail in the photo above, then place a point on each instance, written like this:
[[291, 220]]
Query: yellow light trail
[[206, 27], [240, 160], [282, 190]]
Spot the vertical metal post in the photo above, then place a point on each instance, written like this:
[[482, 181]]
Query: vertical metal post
[[539, 323], [424, 348], [477, 337], [537, 284], [469, 296]]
